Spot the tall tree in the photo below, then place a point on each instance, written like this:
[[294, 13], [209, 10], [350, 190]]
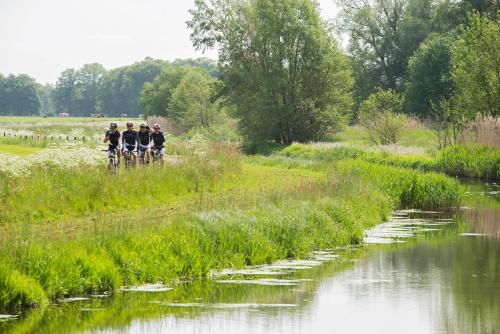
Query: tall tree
[[476, 67], [90, 79], [20, 95], [3, 96], [383, 35], [281, 68], [156, 97], [429, 76], [192, 100], [122, 87], [65, 91]]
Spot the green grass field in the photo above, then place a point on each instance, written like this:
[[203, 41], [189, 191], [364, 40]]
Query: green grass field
[[18, 150]]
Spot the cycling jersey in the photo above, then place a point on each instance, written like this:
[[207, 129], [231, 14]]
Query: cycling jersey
[[113, 137], [144, 137], [158, 138], [130, 137]]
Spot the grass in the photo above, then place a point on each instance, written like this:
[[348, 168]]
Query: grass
[[412, 135], [9, 120], [19, 150], [474, 161], [252, 228]]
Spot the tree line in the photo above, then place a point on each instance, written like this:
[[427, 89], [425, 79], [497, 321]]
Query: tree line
[[282, 76], [286, 78], [89, 90]]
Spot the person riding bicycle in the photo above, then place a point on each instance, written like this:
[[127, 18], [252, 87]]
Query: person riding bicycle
[[145, 141], [113, 137], [130, 141], [158, 141]]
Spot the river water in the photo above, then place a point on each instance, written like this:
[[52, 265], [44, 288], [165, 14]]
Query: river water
[[422, 272]]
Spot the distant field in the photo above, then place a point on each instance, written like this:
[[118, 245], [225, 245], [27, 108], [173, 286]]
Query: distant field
[[18, 150], [57, 120]]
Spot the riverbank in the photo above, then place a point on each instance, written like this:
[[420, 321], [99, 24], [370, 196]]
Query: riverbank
[[474, 161], [80, 232]]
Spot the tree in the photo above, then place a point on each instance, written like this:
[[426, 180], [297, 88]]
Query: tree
[[204, 63], [19, 95], [89, 82], [280, 66], [383, 35], [48, 108], [122, 86], [381, 115], [156, 97], [192, 100], [429, 76], [65, 91], [3, 96], [476, 67]]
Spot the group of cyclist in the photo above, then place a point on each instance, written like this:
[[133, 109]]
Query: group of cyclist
[[130, 142]]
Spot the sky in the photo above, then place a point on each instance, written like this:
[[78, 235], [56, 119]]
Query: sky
[[42, 38]]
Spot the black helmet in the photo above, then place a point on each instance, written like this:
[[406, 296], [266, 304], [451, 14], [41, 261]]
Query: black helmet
[[142, 126], [129, 124], [113, 125]]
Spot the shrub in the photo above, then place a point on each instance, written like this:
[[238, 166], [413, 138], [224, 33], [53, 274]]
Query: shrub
[[381, 115]]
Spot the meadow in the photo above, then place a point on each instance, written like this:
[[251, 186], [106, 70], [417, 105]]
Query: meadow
[[71, 229]]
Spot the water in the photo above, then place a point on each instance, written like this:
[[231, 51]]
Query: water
[[422, 272]]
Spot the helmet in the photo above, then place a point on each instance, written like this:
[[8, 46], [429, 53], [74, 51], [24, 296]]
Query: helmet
[[143, 125], [113, 125], [156, 126], [129, 124]]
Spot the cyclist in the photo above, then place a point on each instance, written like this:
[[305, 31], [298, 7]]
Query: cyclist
[[130, 141], [145, 140], [158, 141], [113, 137]]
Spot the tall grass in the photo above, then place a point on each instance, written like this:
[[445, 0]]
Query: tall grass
[[406, 188], [250, 229], [336, 153], [50, 192], [470, 161], [474, 161]]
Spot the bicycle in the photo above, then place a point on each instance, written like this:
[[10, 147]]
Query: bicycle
[[141, 154], [112, 159], [156, 153], [128, 153]]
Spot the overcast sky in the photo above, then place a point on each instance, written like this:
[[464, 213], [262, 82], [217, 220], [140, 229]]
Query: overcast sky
[[42, 38]]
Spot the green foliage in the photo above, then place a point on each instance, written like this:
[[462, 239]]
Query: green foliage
[[407, 188], [337, 153], [19, 291], [476, 64], [383, 35], [192, 100], [283, 72], [156, 97], [429, 76], [470, 161], [20, 95], [65, 91], [381, 115]]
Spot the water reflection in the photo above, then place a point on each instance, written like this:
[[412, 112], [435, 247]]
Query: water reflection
[[444, 278]]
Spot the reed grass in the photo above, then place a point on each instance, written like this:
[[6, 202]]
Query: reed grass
[[474, 161]]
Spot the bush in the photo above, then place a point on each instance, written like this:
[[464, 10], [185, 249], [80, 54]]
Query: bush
[[381, 115]]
